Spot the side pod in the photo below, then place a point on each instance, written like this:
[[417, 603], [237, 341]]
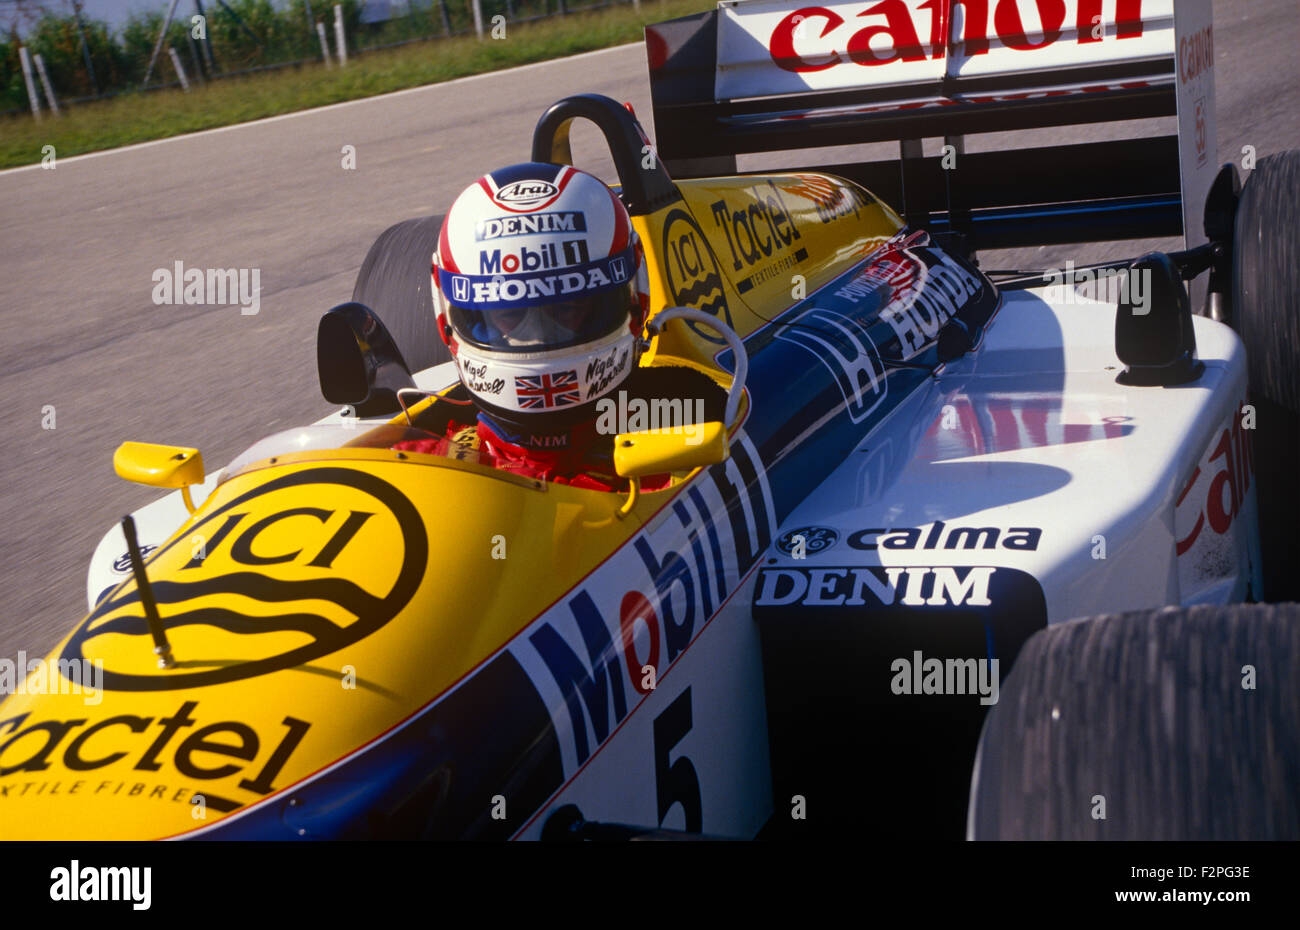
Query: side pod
[[358, 362]]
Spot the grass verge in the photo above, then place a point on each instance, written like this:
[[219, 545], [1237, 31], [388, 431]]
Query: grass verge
[[142, 117]]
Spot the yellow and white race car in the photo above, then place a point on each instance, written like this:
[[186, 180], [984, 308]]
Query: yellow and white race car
[[923, 470]]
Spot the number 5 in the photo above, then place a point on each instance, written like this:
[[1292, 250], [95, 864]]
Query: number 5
[[676, 782]]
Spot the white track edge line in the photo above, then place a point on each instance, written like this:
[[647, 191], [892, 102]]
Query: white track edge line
[[329, 106]]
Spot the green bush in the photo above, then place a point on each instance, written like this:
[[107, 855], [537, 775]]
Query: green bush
[[243, 34], [13, 95]]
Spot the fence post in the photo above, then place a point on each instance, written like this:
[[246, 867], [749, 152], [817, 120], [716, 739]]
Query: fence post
[[324, 44], [340, 40], [162, 34], [27, 77], [478, 18], [207, 39], [85, 47], [195, 57], [45, 83], [180, 69]]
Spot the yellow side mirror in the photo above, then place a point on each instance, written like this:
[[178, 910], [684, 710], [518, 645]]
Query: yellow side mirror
[[653, 452], [160, 466]]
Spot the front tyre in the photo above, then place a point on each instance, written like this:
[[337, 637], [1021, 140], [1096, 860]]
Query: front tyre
[[1266, 313]]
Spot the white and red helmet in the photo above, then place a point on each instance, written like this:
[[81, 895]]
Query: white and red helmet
[[539, 287]]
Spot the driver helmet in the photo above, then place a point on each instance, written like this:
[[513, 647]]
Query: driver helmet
[[539, 289]]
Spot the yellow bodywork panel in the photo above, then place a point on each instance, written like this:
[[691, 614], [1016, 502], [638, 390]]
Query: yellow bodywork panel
[[746, 248], [311, 606]]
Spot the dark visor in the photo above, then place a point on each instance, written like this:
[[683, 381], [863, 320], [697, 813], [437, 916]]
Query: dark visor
[[557, 325]]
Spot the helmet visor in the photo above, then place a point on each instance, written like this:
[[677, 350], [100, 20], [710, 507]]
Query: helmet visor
[[582, 319]]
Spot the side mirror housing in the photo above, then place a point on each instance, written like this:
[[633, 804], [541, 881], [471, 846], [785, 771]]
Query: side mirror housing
[[1153, 325], [654, 452], [358, 362], [158, 466]]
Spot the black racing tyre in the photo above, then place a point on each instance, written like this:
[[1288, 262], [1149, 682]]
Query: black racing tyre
[[1152, 714], [1266, 313], [1266, 277], [394, 283]]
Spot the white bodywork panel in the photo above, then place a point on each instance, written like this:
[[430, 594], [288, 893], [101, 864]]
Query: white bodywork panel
[[1033, 433]]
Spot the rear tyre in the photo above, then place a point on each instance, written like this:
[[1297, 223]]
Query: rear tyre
[[394, 283], [1266, 312], [1154, 719]]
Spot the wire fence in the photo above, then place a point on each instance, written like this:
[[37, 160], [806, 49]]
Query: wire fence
[[217, 39]]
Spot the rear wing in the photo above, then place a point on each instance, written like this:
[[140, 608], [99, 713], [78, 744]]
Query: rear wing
[[775, 75]]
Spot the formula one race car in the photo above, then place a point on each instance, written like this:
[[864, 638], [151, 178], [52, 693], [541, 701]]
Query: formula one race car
[[859, 588]]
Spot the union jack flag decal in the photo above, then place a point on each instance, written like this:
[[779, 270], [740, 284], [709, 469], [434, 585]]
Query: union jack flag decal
[[549, 390]]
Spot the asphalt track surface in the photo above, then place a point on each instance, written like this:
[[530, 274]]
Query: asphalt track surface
[[79, 244]]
